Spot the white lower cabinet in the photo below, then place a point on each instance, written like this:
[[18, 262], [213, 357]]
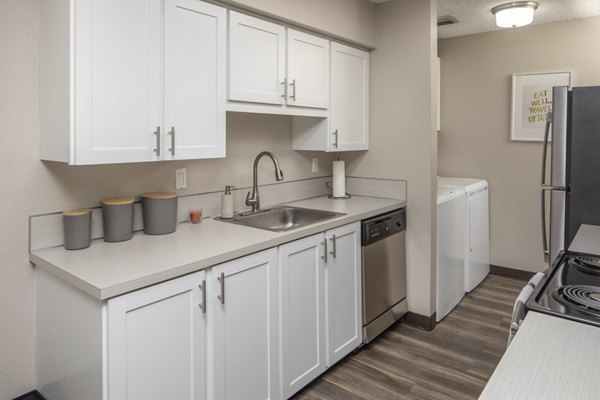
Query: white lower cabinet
[[260, 327], [343, 291], [302, 302], [245, 329], [156, 342], [320, 300]]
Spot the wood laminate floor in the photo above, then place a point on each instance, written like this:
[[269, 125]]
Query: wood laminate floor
[[454, 361]]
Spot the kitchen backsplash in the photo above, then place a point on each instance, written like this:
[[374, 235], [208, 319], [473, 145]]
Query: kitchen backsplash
[[46, 230]]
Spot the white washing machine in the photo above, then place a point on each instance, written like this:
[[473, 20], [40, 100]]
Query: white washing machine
[[477, 241], [450, 249]]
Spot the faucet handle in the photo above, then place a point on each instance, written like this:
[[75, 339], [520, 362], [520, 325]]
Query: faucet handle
[[253, 201], [250, 199]]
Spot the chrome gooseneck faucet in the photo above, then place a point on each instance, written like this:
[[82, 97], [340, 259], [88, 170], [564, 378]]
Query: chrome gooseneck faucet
[[252, 198]]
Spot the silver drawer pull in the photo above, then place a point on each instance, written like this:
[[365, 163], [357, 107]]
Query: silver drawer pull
[[293, 85], [285, 90], [333, 251], [221, 279], [172, 133], [157, 133], [324, 256], [202, 305]]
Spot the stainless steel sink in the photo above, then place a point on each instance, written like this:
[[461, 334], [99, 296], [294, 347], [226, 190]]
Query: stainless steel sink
[[282, 218]]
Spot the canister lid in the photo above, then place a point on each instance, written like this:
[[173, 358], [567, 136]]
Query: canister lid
[[118, 201], [76, 213], [159, 195]]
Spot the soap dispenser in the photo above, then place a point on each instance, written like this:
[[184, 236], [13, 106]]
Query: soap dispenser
[[227, 203]]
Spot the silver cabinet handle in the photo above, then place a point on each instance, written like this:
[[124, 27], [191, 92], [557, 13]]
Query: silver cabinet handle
[[324, 256], [157, 133], [333, 251], [335, 143], [221, 279], [293, 85], [285, 90], [202, 305], [172, 133]]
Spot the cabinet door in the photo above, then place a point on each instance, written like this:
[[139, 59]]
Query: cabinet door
[[117, 88], [256, 60], [344, 292], [156, 342], [302, 315], [349, 127], [195, 51], [245, 328], [307, 70]]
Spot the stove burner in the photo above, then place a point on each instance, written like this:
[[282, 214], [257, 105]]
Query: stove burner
[[580, 297], [586, 264]]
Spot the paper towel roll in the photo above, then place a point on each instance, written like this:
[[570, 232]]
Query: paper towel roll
[[339, 179]]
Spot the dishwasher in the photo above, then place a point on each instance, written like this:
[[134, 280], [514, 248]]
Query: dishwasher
[[383, 271]]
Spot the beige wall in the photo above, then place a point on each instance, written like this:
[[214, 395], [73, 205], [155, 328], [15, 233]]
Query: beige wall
[[352, 20], [30, 186], [475, 126], [402, 133]]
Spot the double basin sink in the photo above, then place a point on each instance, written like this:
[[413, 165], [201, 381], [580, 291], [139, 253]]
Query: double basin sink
[[282, 218]]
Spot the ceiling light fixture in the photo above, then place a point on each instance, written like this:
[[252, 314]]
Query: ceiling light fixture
[[514, 14]]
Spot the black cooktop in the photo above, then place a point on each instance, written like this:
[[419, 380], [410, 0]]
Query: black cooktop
[[571, 289]]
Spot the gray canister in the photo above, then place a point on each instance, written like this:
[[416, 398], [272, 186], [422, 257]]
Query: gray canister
[[160, 213], [78, 227], [117, 219]]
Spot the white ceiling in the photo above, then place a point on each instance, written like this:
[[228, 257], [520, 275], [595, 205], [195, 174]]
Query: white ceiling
[[474, 16]]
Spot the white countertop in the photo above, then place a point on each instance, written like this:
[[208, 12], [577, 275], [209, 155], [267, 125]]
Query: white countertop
[[587, 240], [106, 270], [549, 358]]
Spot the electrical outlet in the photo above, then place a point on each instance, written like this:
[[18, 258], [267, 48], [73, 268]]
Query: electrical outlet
[[315, 164], [180, 178]]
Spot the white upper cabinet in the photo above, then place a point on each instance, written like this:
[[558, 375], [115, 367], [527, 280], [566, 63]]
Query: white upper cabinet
[[117, 76], [256, 60], [308, 70], [276, 70], [195, 80], [347, 127], [349, 114], [102, 68]]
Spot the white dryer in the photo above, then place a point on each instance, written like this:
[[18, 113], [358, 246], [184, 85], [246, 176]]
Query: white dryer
[[477, 240], [450, 249]]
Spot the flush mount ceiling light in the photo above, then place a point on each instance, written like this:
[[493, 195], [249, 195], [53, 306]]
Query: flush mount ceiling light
[[514, 14]]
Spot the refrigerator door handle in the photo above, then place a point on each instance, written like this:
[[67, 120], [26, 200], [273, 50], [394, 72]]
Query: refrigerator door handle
[[546, 187], [543, 192], [545, 148]]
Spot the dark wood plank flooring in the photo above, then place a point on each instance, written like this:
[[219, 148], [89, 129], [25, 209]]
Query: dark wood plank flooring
[[454, 361]]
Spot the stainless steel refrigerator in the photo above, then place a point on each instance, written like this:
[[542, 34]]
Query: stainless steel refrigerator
[[574, 185]]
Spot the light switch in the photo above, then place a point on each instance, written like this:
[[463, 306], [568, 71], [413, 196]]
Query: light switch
[[180, 178], [315, 164]]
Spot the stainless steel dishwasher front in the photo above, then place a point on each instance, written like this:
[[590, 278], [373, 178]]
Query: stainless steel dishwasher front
[[384, 272]]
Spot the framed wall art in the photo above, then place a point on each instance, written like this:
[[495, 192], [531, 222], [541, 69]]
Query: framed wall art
[[531, 102]]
